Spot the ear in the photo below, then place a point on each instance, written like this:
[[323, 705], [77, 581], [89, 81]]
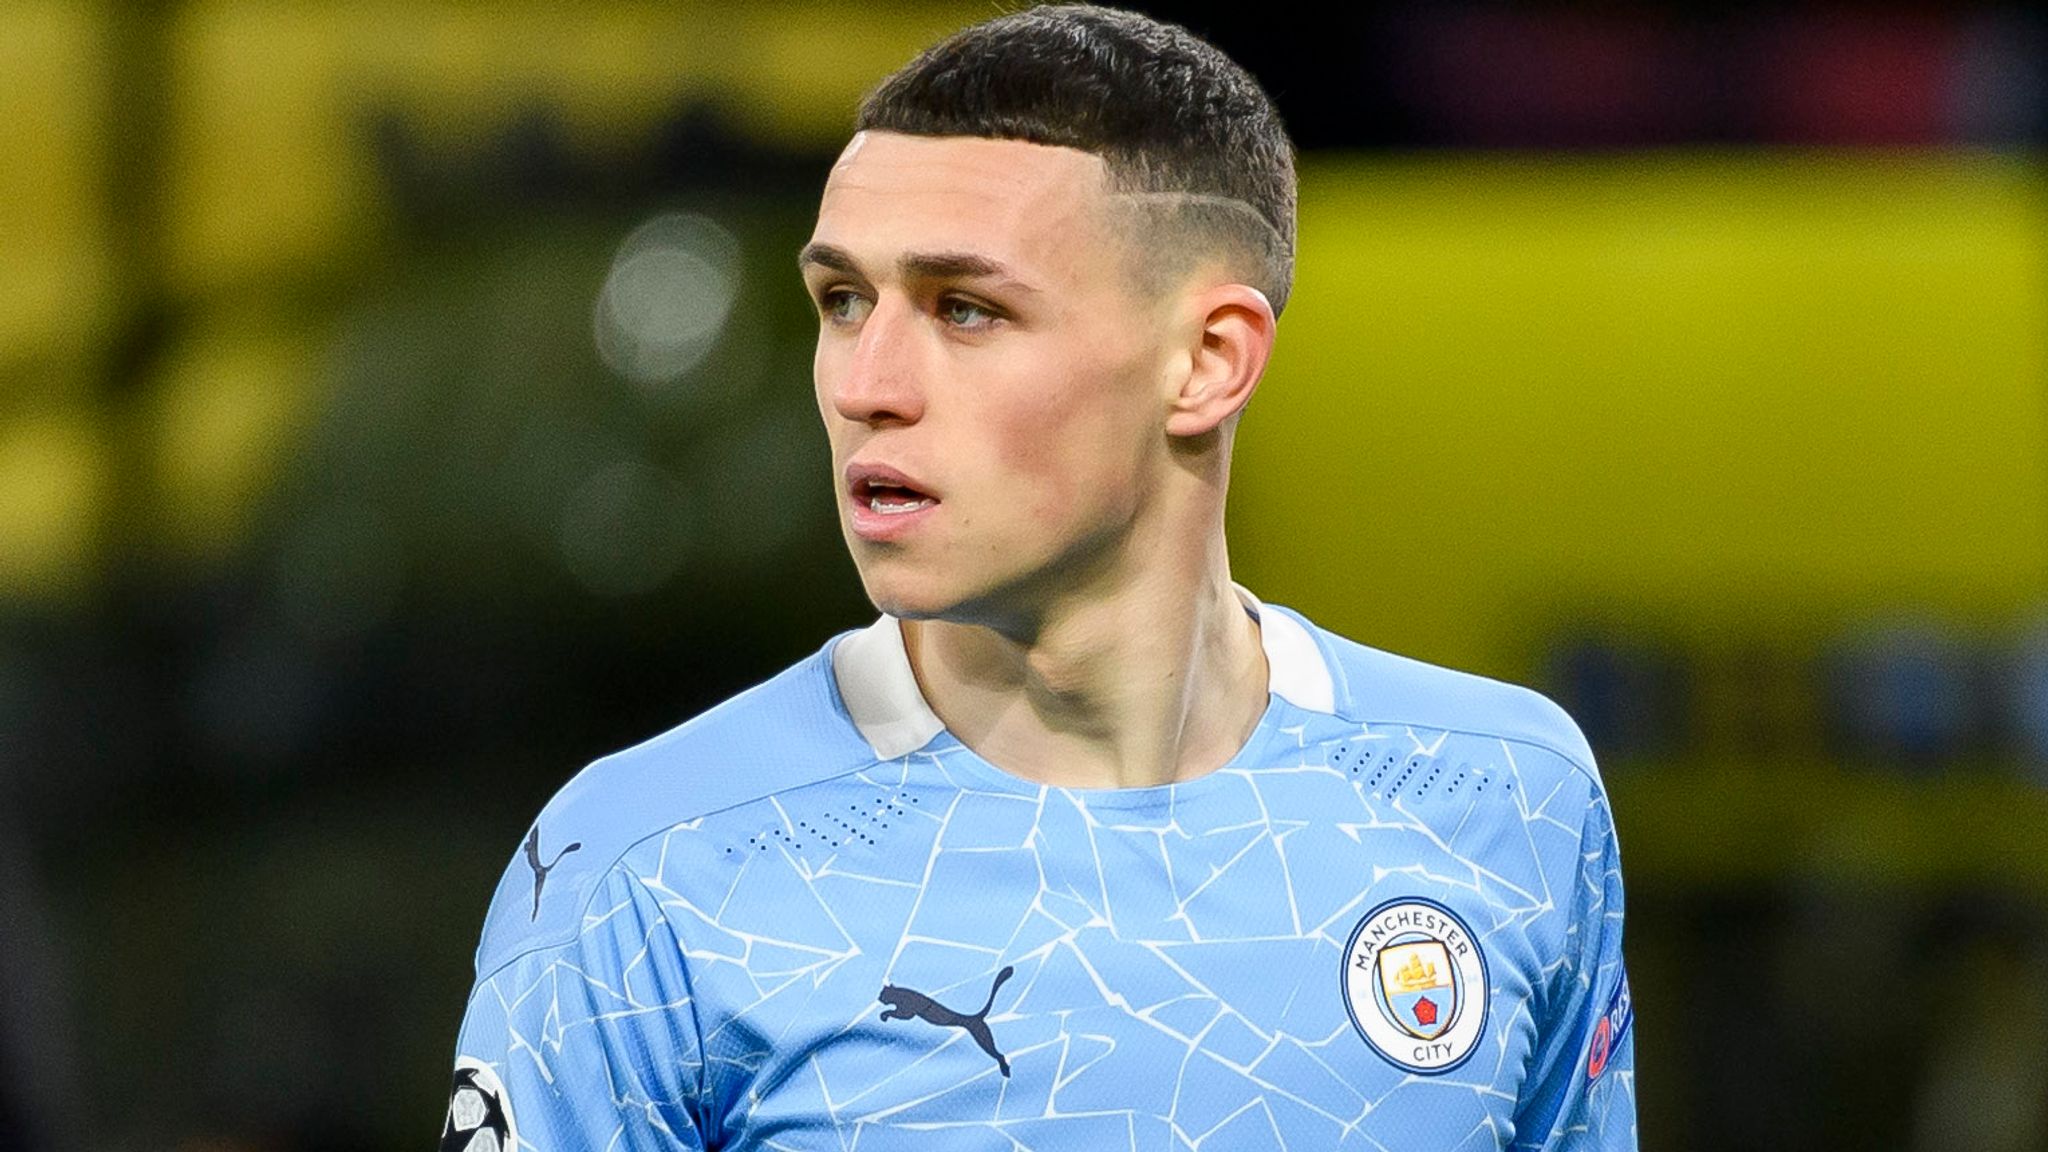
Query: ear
[[1231, 334]]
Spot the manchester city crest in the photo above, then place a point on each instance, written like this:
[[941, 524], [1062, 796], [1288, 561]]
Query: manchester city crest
[[1415, 984]]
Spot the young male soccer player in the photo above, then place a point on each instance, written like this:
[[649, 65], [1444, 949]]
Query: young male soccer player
[[1079, 846]]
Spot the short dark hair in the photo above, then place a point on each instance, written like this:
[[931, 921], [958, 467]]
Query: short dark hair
[[1175, 121]]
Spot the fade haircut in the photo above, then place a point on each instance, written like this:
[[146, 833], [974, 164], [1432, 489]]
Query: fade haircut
[[1195, 153]]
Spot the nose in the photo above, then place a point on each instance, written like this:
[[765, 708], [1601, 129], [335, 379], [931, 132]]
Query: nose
[[878, 381]]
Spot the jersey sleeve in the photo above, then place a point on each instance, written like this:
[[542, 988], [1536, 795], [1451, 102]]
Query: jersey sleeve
[[1580, 1096], [588, 1043]]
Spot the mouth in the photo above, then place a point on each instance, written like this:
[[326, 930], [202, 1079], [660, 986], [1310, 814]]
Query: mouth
[[884, 500]]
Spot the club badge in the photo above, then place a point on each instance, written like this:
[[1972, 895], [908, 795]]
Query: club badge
[[1415, 984]]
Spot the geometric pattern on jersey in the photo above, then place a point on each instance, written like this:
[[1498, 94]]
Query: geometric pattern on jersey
[[920, 950]]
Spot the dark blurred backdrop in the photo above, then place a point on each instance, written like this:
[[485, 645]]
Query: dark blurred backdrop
[[401, 405]]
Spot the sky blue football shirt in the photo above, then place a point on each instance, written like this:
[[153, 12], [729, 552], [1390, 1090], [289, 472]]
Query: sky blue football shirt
[[812, 919]]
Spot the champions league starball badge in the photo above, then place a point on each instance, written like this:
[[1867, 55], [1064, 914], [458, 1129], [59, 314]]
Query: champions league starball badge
[[1415, 984], [479, 1111]]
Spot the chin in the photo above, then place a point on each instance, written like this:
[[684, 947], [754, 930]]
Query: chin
[[910, 591], [907, 592]]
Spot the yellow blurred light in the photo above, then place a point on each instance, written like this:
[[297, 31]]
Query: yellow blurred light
[[53, 242], [610, 72], [227, 406], [805, 66], [271, 165], [1733, 392], [53, 503], [267, 169]]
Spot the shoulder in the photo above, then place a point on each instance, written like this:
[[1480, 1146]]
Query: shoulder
[[785, 733], [1372, 686]]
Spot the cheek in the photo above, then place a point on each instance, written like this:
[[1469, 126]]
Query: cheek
[[1074, 450], [1036, 453]]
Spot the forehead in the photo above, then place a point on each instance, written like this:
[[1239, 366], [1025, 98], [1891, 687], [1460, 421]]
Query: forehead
[[1010, 199]]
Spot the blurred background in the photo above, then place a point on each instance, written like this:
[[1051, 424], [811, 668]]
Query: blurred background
[[401, 405]]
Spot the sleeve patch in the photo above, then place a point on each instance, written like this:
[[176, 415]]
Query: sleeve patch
[[1608, 1032], [479, 1111]]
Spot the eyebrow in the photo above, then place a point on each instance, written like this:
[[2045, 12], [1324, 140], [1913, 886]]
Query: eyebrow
[[918, 265]]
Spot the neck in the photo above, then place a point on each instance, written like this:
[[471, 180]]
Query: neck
[[1151, 681]]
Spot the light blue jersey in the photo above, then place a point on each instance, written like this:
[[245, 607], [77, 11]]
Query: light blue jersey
[[812, 919]]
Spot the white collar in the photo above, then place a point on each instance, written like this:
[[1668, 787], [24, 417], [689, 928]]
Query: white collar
[[883, 699]]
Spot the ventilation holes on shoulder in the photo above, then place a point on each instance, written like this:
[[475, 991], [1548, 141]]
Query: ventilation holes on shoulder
[[828, 829]]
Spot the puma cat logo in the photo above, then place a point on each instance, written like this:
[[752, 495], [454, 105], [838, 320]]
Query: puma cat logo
[[540, 870], [905, 1003]]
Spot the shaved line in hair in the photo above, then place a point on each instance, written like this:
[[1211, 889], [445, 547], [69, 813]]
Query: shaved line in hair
[[1170, 234]]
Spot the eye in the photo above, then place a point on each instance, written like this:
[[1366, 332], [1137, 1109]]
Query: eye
[[842, 306], [965, 314]]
